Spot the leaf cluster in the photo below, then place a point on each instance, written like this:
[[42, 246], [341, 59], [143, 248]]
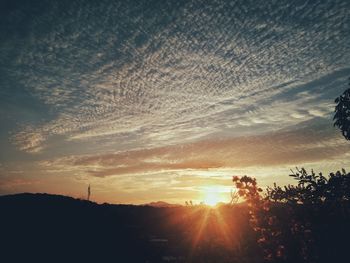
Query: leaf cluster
[[342, 113], [313, 188]]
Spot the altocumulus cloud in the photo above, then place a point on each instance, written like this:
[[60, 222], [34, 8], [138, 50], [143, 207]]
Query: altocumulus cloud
[[160, 73], [279, 148]]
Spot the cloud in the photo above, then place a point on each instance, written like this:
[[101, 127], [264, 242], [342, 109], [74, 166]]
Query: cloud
[[29, 140], [165, 74], [291, 148]]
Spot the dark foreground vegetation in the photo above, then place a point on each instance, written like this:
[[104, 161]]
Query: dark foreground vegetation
[[309, 222], [306, 222], [41, 227]]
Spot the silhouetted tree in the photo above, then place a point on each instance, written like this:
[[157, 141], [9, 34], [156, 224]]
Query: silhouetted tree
[[262, 220], [308, 222], [342, 113], [314, 188]]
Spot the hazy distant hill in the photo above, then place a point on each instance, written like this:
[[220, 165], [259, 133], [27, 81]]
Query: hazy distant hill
[[162, 204]]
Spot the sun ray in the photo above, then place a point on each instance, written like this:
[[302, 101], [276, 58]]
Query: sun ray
[[223, 227], [202, 225]]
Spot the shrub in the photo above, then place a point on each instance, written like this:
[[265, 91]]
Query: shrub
[[294, 223]]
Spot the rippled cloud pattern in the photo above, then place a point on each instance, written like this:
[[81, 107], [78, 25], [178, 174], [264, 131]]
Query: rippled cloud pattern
[[90, 80]]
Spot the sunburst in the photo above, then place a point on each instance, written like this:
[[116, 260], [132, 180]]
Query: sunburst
[[212, 196]]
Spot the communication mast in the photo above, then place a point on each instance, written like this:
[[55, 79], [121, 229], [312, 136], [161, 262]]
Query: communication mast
[[89, 193]]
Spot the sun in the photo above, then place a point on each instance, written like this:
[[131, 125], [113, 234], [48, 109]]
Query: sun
[[212, 197]]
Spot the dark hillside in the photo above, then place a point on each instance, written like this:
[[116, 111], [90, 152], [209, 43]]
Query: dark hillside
[[42, 227]]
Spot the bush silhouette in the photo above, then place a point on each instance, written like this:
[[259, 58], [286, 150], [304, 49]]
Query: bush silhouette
[[308, 222]]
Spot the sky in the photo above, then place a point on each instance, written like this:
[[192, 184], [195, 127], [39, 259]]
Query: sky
[[167, 100]]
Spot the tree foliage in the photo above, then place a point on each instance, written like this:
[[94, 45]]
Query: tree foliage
[[342, 113], [306, 222], [313, 188]]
